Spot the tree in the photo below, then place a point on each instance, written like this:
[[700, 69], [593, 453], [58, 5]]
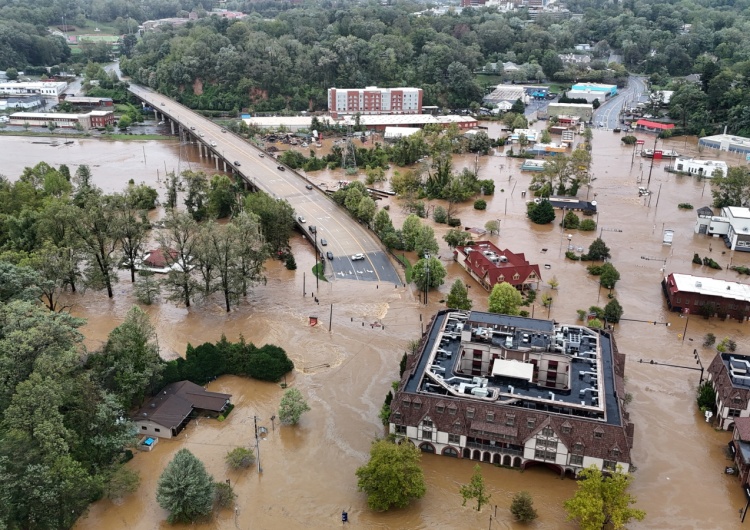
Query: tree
[[518, 107], [455, 237], [492, 226], [613, 311], [240, 458], [292, 406], [609, 276], [458, 298], [393, 477], [97, 230], [541, 213], [522, 507], [432, 279], [475, 489], [224, 495], [598, 250], [179, 246], [131, 226], [553, 283], [129, 365], [382, 224], [221, 197], [185, 489], [196, 200], [365, 210], [732, 189], [146, 288], [505, 299], [480, 143], [410, 230], [602, 500], [124, 122], [122, 482], [276, 219], [425, 242]]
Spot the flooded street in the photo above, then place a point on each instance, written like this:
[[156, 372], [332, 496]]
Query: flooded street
[[307, 474]]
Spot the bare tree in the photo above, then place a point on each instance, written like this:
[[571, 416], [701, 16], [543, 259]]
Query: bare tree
[[178, 242]]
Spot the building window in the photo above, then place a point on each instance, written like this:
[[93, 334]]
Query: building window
[[510, 421], [566, 429], [733, 413], [578, 448], [439, 409], [396, 416], [490, 417], [401, 429], [576, 460], [530, 423], [407, 404], [548, 432], [598, 434], [469, 413], [417, 406], [454, 439], [426, 435], [542, 454], [609, 465], [452, 411], [427, 423], [157, 430], [615, 453], [143, 428]]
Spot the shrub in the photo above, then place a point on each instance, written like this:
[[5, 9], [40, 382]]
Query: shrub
[[487, 186], [240, 458], [708, 262], [741, 269], [587, 225], [480, 204], [224, 494], [454, 222], [709, 340], [571, 220], [706, 397], [581, 314], [572, 255], [440, 215], [685, 206], [522, 507], [697, 259], [629, 140]]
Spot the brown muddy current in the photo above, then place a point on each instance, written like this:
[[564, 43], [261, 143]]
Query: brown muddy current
[[307, 474]]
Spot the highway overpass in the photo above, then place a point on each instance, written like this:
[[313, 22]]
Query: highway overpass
[[345, 237]]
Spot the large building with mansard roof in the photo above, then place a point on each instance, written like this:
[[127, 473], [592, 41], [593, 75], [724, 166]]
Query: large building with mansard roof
[[515, 391]]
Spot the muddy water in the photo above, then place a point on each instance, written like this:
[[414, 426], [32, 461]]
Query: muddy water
[[308, 472]]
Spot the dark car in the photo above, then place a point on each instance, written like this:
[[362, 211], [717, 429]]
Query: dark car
[[223, 130], [329, 254], [192, 128], [323, 242], [313, 229], [309, 186], [281, 168], [237, 163]]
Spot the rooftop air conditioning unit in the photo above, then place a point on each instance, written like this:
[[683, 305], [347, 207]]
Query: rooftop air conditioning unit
[[698, 284], [504, 259]]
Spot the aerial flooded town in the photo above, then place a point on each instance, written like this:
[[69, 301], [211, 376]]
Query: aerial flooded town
[[381, 264]]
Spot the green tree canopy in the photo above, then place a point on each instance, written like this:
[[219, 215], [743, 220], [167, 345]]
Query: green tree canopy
[[458, 298], [475, 489], [541, 213], [505, 299], [292, 406], [432, 279], [602, 500], [522, 507], [598, 250], [185, 489], [393, 477]]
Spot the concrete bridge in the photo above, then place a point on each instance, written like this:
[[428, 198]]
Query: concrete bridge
[[343, 236]]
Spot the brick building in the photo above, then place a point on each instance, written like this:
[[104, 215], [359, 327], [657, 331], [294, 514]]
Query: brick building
[[707, 296], [729, 376], [374, 100], [489, 265]]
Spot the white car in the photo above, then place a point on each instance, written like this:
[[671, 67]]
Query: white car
[[300, 219], [357, 257]]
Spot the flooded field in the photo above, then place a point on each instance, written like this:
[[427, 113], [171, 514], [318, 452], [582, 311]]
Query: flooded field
[[307, 474]]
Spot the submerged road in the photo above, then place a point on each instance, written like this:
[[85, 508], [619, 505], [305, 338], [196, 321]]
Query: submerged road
[[344, 236]]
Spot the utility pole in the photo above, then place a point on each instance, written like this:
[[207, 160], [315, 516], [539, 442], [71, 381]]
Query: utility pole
[[330, 319], [257, 443], [653, 155]]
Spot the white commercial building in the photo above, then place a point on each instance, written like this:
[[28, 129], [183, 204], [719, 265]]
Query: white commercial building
[[374, 100], [726, 142], [48, 90], [733, 225], [701, 168]]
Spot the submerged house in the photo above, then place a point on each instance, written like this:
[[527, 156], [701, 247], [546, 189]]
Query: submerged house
[[489, 265], [167, 413]]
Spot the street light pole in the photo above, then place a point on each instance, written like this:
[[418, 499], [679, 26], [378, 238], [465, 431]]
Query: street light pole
[[317, 270]]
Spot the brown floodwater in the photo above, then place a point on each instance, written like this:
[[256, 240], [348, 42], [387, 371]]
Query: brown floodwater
[[308, 471]]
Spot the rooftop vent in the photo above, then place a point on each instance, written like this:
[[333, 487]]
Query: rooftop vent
[[698, 284], [504, 259]]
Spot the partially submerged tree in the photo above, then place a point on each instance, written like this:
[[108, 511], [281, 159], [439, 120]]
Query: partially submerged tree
[[505, 299], [602, 500], [475, 489], [393, 477], [458, 298], [185, 489], [292, 406], [522, 507]]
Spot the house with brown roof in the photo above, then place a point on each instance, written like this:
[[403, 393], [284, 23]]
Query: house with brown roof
[[489, 265], [167, 413], [729, 375], [516, 392]]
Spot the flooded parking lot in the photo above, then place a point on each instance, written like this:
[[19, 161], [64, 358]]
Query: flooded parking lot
[[308, 471]]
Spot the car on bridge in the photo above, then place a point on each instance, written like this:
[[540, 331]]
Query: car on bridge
[[309, 186], [329, 255], [357, 257], [300, 219], [313, 229], [281, 168], [323, 242], [237, 163]]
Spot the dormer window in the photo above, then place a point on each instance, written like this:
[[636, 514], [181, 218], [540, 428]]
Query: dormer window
[[439, 409], [469, 412], [490, 417]]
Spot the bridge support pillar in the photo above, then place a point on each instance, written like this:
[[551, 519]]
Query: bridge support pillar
[[171, 126], [156, 116], [225, 165], [200, 150], [216, 160]]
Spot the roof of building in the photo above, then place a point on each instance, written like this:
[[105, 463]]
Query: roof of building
[[85, 99], [400, 132], [705, 211], [59, 85], [46, 115], [728, 138], [485, 260], [376, 89], [506, 93], [579, 105], [373, 120], [176, 401], [687, 283], [156, 258], [737, 212], [654, 124], [742, 428], [705, 163], [585, 409], [595, 87]]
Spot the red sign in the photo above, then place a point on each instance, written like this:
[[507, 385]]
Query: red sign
[[657, 155], [640, 142]]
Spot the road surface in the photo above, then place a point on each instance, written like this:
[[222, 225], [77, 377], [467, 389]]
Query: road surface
[[345, 237], [607, 116]]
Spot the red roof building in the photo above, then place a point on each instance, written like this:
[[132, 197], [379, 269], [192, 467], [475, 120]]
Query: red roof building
[[157, 260], [653, 126], [489, 265]]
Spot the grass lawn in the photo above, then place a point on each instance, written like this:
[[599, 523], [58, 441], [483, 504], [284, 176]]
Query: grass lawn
[[319, 271], [403, 259]]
